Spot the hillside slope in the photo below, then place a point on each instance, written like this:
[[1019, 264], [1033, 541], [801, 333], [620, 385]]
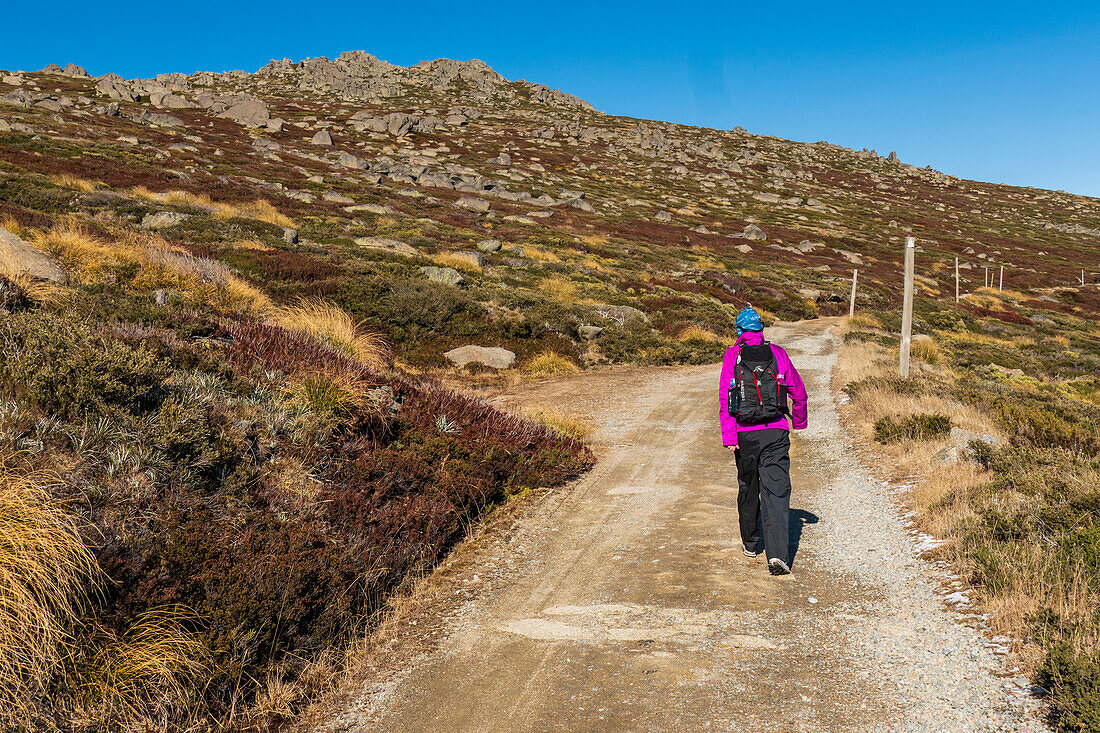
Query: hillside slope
[[223, 297], [590, 209]]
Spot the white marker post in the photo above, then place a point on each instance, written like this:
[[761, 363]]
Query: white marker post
[[956, 279], [907, 305], [852, 304], [1001, 282]]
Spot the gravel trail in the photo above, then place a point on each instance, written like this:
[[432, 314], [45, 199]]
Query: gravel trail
[[624, 603]]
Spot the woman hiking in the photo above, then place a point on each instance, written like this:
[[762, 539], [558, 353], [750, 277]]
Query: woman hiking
[[757, 377]]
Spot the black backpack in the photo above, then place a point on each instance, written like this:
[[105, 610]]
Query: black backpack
[[755, 395]]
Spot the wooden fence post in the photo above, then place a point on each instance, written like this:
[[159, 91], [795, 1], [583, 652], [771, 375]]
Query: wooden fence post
[[907, 306], [852, 303]]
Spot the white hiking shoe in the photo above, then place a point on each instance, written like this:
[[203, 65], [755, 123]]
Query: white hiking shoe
[[778, 567], [750, 553]]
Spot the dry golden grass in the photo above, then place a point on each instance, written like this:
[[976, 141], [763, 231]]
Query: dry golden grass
[[74, 183], [594, 239], [331, 325], [40, 291], [559, 289], [698, 333], [862, 320], [572, 425], [540, 254], [13, 226], [260, 209], [159, 265], [46, 575], [457, 261], [548, 364], [263, 210], [157, 662]]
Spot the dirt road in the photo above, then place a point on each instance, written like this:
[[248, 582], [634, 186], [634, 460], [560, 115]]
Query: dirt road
[[625, 604]]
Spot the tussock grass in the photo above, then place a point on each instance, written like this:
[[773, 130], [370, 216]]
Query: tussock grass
[[698, 333], [559, 289], [154, 666], [334, 396], [457, 261], [150, 264], [260, 209], [574, 426], [862, 320], [540, 254], [46, 575], [74, 183], [331, 325], [548, 364]]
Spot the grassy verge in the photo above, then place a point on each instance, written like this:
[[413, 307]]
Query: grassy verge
[[206, 500], [999, 424]]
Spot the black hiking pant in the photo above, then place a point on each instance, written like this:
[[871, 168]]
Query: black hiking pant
[[764, 494]]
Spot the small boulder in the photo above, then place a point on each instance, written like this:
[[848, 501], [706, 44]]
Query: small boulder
[[472, 203], [163, 219], [663, 216], [26, 258], [444, 275], [322, 138], [754, 233], [493, 357], [589, 332], [621, 313], [290, 236], [489, 245], [390, 245], [743, 249]]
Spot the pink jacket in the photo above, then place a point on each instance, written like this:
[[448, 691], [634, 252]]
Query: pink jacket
[[788, 375]]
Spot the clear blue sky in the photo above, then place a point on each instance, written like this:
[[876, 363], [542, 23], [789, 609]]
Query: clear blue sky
[[1004, 92]]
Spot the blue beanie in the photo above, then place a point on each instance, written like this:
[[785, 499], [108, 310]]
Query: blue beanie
[[749, 320]]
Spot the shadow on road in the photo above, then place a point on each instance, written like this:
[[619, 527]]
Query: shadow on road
[[799, 518]]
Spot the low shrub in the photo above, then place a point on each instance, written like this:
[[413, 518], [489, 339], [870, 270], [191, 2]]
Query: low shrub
[[1073, 679], [88, 373], [912, 427]]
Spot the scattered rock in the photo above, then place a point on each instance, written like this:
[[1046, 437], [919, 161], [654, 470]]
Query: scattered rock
[[322, 138], [489, 245], [290, 236], [472, 203], [663, 216], [163, 219], [493, 357], [250, 112], [379, 209], [444, 275], [502, 159], [743, 249], [590, 332], [390, 245], [754, 233], [852, 257], [23, 256], [337, 198], [623, 314]]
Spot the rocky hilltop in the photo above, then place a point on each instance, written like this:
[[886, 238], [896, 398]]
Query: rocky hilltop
[[461, 154]]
